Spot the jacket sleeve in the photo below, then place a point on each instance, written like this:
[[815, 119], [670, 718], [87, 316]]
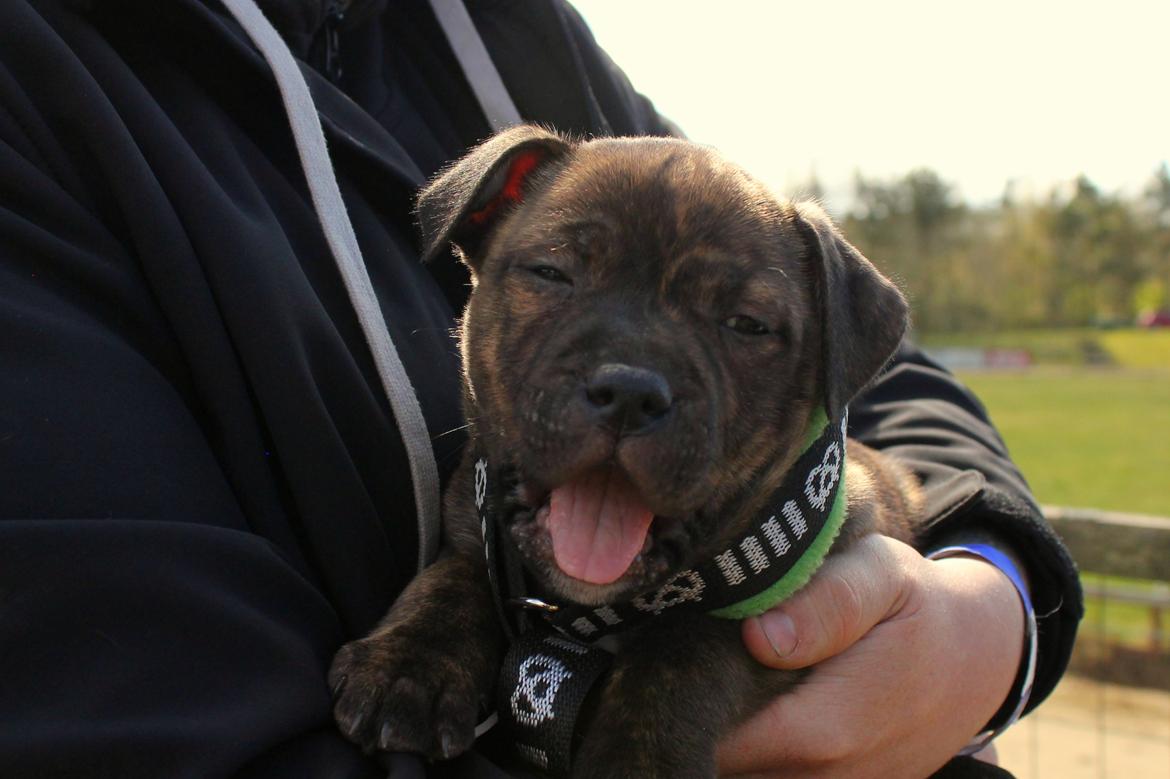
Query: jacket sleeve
[[145, 629], [920, 413]]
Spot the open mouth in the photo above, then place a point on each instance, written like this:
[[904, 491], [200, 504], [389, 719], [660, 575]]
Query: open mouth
[[598, 525]]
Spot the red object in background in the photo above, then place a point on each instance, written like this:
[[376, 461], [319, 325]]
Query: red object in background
[[1007, 358], [1154, 319]]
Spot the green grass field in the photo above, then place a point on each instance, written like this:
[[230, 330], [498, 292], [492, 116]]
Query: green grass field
[[1094, 437]]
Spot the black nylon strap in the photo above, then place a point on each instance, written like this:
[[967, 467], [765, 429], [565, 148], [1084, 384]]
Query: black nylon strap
[[546, 677], [543, 684], [503, 561]]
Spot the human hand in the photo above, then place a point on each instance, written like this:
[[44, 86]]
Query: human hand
[[914, 657]]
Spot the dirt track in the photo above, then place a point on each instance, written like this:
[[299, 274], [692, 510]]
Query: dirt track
[[1090, 730]]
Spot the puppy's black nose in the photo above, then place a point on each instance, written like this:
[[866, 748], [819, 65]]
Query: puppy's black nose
[[626, 399]]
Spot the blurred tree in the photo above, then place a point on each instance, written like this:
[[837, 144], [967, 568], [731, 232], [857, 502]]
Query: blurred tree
[[1156, 248], [908, 228], [1149, 296], [1075, 257], [1097, 244], [1157, 196]]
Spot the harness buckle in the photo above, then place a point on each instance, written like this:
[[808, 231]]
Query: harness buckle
[[533, 604]]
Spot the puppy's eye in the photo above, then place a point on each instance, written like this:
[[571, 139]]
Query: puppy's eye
[[746, 325], [549, 273]]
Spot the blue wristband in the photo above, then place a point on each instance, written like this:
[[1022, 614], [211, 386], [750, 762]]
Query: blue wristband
[[1022, 689]]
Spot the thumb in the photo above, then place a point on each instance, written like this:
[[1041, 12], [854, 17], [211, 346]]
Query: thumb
[[855, 590]]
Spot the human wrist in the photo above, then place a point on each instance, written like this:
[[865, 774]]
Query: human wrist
[[1010, 582]]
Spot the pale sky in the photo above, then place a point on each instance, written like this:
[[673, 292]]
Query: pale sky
[[982, 92]]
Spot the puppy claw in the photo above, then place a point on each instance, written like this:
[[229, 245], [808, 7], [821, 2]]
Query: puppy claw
[[386, 737], [353, 714], [339, 686], [447, 745]]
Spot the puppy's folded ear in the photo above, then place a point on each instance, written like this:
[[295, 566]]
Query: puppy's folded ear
[[863, 316], [466, 201]]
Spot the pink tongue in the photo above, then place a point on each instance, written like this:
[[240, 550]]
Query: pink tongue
[[598, 525]]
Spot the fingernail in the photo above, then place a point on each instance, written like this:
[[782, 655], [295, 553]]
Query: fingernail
[[780, 631]]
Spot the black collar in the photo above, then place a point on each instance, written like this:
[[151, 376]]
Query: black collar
[[774, 558]]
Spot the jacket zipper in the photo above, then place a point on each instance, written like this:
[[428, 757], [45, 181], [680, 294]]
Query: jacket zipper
[[334, 16]]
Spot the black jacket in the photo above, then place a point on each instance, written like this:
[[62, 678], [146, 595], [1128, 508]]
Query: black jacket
[[202, 493]]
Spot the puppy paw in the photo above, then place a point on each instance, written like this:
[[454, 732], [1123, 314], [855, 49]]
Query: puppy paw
[[388, 698]]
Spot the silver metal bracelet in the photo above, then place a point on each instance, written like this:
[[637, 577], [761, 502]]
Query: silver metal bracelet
[[1005, 564]]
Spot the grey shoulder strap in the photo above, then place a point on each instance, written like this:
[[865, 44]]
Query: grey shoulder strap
[[476, 64]]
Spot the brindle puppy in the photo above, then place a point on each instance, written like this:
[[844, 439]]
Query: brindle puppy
[[649, 333]]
